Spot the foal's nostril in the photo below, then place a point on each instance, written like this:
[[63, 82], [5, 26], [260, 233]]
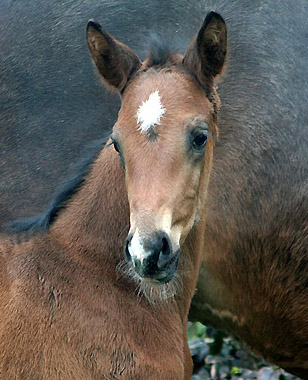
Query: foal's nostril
[[165, 252], [165, 249], [126, 249]]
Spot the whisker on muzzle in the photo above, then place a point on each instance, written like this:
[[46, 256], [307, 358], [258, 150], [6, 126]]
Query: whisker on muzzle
[[153, 293]]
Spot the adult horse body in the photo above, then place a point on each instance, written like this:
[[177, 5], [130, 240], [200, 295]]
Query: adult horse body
[[254, 276]]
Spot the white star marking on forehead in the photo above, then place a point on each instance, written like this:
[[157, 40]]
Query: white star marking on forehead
[[150, 112]]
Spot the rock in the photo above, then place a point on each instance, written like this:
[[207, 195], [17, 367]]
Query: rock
[[266, 373]]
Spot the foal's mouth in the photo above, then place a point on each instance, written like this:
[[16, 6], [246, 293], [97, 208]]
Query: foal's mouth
[[162, 277], [153, 275], [157, 287]]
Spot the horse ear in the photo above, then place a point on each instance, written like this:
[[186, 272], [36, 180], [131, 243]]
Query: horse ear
[[206, 55], [115, 61]]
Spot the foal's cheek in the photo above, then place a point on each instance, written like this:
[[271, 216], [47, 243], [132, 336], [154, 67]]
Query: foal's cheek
[[186, 230], [187, 216]]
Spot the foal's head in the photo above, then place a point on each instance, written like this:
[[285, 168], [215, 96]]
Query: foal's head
[[164, 136]]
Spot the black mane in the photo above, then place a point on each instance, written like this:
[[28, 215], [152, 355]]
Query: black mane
[[43, 221], [159, 53]]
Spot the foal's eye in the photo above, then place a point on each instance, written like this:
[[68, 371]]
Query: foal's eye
[[116, 146], [198, 134], [199, 140]]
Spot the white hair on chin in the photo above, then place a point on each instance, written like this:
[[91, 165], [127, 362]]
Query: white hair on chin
[[153, 293]]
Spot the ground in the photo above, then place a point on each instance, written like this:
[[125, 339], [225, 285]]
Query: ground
[[218, 356]]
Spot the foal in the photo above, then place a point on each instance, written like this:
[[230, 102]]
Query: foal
[[66, 313]]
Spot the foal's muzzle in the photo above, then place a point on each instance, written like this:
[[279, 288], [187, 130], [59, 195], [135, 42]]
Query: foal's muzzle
[[152, 257]]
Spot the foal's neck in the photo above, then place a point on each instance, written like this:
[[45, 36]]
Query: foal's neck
[[96, 220]]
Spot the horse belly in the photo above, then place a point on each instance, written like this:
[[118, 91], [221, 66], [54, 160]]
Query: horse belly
[[269, 318]]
